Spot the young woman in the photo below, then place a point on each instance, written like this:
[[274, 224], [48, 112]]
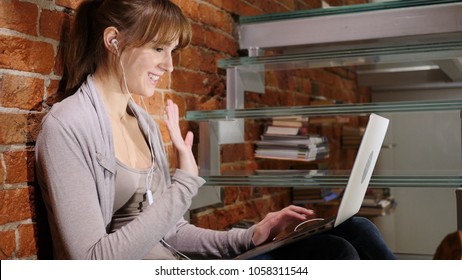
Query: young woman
[[101, 162]]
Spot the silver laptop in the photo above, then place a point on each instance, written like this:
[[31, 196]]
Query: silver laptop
[[353, 195]]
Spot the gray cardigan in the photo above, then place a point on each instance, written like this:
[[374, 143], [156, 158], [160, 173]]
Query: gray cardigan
[[75, 164]]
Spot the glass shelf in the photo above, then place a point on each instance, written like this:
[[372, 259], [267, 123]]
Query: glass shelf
[[440, 49], [422, 51], [341, 10], [326, 110], [337, 178]]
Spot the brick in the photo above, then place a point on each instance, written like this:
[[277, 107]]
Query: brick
[[199, 59], [19, 128], [207, 14], [154, 104], [198, 103], [54, 92], [314, 4], [16, 205], [52, 24], [58, 67], [19, 166], [237, 213], [204, 37], [212, 17], [236, 7], [272, 98], [263, 206], [7, 244], [188, 81], [208, 221], [302, 99], [223, 219], [269, 6], [73, 4], [13, 128], [21, 92], [244, 193], [253, 130], [27, 241], [34, 121], [233, 152], [230, 195], [289, 4], [335, 2], [252, 212], [199, 221], [164, 81], [188, 7], [198, 35], [234, 195], [238, 166], [19, 16], [224, 22], [26, 55], [221, 42]]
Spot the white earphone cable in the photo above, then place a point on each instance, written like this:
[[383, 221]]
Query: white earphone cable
[[151, 170]]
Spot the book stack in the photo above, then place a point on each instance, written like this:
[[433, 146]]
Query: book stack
[[286, 138], [317, 195], [377, 202], [292, 147], [287, 125]]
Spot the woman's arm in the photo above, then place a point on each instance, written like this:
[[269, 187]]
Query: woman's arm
[[68, 176]]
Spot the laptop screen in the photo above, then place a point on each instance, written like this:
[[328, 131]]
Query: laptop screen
[[363, 167]]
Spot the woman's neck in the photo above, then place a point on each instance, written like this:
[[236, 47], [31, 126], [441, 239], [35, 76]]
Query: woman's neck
[[115, 100], [130, 144]]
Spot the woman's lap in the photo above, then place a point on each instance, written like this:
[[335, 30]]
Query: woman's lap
[[356, 238]]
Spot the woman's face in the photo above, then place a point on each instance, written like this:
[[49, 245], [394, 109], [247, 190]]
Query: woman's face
[[145, 65]]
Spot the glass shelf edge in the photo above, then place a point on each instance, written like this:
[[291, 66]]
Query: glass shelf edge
[[326, 110], [410, 181], [338, 58], [340, 10]]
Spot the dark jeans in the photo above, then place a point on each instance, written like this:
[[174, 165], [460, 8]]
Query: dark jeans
[[357, 238]]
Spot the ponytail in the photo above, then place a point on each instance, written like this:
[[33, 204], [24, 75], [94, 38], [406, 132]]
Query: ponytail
[[80, 56]]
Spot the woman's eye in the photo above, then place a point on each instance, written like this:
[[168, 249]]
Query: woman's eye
[[159, 49]]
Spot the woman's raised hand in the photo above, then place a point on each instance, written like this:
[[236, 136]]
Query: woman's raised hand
[[187, 162]]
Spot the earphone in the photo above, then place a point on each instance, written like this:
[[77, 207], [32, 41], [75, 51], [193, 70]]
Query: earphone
[[115, 43]]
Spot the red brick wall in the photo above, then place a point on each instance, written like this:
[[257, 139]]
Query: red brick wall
[[30, 71]]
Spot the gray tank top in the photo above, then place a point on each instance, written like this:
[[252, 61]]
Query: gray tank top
[[130, 192], [130, 200]]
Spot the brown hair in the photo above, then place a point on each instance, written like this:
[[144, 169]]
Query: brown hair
[[139, 22]]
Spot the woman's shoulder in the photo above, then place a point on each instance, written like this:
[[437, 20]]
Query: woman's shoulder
[[72, 111]]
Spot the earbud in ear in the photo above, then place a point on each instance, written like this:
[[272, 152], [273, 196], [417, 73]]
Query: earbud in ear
[[115, 43]]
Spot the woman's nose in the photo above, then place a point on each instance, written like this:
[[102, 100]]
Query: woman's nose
[[167, 63]]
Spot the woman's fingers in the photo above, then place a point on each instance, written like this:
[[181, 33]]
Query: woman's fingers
[[189, 139], [276, 222]]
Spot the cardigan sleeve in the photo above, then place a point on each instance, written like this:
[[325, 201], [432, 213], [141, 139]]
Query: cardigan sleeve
[[67, 171], [201, 243]]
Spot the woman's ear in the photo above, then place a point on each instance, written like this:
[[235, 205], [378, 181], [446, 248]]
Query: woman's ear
[[111, 41]]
